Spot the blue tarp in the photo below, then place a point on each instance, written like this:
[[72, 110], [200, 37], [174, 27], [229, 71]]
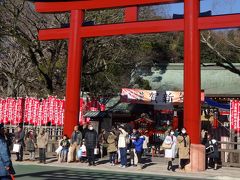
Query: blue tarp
[[210, 102]]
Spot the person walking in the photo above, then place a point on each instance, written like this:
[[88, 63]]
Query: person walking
[[65, 148], [112, 148], [6, 168], [42, 141], [133, 154], [170, 152], [19, 139], [212, 152], [31, 144], [183, 143], [91, 138], [123, 141], [75, 143], [138, 143]]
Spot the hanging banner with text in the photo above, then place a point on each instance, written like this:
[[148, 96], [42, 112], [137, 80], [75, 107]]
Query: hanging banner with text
[[139, 96], [235, 115]]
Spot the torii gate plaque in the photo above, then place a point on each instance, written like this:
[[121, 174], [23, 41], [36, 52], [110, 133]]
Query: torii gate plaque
[[191, 24]]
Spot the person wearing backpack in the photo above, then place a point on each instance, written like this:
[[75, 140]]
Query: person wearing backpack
[[212, 152]]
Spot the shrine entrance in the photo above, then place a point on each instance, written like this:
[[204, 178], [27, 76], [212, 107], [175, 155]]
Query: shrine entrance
[[191, 24]]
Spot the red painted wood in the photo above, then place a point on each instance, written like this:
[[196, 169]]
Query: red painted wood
[[131, 14], [192, 82], [224, 21], [133, 28], [93, 4], [53, 34], [116, 29], [73, 73], [214, 22]]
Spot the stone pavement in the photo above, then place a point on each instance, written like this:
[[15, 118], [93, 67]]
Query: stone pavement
[[150, 168]]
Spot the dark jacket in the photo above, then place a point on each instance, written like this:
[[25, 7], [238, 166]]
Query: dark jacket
[[212, 149], [65, 143], [76, 137], [5, 160], [19, 137], [91, 138]]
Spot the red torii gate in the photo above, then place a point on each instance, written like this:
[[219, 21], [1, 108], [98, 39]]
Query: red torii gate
[[191, 24]]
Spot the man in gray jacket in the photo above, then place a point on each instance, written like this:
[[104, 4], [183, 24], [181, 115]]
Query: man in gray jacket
[[75, 143]]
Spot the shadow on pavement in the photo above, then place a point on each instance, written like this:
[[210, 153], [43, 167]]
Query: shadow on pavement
[[87, 175]]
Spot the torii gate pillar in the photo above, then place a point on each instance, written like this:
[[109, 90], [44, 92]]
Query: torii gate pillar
[[192, 81], [75, 50], [192, 84]]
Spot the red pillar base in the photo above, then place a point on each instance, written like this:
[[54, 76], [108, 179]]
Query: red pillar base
[[197, 158]]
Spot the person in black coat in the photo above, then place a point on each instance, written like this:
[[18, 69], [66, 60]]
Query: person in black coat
[[19, 139], [91, 138], [212, 152]]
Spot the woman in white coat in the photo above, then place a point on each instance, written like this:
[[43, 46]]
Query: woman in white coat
[[170, 152]]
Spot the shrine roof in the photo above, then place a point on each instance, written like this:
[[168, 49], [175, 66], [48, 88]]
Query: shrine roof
[[215, 80]]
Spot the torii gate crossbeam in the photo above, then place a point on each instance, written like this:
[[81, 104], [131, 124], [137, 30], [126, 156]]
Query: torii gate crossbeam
[[191, 24]]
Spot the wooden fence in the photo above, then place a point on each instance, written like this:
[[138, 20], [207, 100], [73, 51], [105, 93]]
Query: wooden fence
[[230, 155]]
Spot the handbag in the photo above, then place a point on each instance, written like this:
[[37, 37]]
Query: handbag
[[96, 151], [84, 151], [166, 146], [16, 148], [59, 149], [79, 153]]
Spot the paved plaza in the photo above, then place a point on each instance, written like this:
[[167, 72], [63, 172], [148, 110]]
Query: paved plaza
[[152, 170]]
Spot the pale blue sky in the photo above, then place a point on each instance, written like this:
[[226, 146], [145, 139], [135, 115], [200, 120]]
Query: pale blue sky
[[216, 6]]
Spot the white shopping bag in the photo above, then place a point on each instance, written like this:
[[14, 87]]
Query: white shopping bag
[[96, 151], [16, 148], [59, 149]]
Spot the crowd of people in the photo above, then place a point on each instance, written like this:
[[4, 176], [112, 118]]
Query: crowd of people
[[30, 141], [85, 144], [119, 142]]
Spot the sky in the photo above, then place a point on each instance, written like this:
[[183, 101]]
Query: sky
[[216, 6]]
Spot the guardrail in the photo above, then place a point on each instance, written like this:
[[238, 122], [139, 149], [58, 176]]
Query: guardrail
[[230, 156]]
